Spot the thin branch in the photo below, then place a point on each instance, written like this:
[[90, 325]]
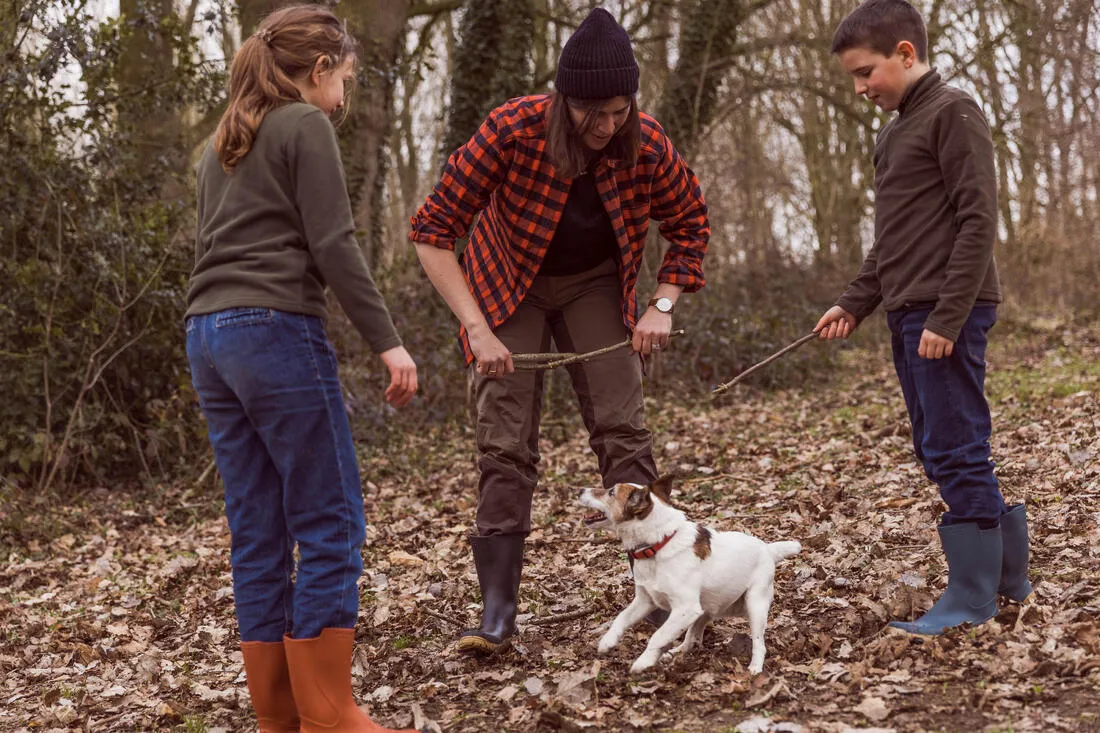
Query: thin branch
[[592, 541], [441, 617], [206, 472], [559, 618], [48, 429], [723, 387]]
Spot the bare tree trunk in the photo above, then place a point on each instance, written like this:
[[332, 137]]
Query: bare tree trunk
[[990, 79], [708, 32], [151, 120], [379, 25], [251, 12], [10, 11], [491, 64], [654, 58], [542, 53], [837, 153]]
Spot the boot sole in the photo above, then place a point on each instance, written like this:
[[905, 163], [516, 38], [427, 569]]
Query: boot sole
[[480, 646]]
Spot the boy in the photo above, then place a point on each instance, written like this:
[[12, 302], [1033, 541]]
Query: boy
[[932, 268]]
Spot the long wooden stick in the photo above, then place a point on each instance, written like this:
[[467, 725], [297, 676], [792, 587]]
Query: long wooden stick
[[534, 362], [724, 387]]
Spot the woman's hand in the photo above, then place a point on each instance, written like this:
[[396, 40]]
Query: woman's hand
[[652, 332], [837, 323], [403, 381], [491, 357]]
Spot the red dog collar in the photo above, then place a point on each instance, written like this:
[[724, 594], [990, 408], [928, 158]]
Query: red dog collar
[[644, 553]]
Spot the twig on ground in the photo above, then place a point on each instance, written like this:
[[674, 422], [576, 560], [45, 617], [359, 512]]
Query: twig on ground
[[443, 617], [206, 472], [561, 617], [593, 541]]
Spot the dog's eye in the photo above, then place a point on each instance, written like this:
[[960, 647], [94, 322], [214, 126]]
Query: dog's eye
[[611, 491]]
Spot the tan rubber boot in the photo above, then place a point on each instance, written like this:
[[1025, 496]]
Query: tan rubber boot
[[320, 674], [268, 676]]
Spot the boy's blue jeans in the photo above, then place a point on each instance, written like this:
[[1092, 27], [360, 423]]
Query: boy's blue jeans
[[268, 387], [949, 413]]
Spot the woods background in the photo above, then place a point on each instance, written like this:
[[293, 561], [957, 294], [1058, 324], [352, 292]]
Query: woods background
[[105, 110]]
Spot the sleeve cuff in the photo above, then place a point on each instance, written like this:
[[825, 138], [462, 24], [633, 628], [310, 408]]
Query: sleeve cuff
[[386, 344], [952, 334]]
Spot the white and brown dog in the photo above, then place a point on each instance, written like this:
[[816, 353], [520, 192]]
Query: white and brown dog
[[690, 571]]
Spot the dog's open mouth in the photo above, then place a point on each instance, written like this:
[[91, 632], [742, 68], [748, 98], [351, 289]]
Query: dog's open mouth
[[594, 517]]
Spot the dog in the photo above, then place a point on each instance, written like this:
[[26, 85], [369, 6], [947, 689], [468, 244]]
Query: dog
[[692, 572]]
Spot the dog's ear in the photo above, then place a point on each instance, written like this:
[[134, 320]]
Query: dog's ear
[[638, 504], [662, 487]]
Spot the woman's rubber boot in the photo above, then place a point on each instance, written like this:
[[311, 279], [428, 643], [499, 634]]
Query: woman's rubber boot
[[320, 675], [973, 574], [268, 676], [1014, 582], [499, 562]]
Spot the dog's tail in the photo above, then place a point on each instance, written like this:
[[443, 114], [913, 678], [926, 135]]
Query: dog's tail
[[783, 550]]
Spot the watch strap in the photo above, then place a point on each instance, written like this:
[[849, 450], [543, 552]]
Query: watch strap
[[653, 303]]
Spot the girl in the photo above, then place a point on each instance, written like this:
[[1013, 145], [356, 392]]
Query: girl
[[565, 185], [274, 228]]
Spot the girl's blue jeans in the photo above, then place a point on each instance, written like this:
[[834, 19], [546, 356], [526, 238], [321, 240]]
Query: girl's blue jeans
[[268, 387], [949, 413]]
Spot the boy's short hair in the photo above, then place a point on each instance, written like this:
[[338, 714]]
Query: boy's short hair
[[881, 25]]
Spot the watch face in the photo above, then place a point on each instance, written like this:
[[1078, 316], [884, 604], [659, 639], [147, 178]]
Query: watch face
[[664, 305]]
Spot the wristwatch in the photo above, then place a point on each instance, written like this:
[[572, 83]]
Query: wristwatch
[[664, 305]]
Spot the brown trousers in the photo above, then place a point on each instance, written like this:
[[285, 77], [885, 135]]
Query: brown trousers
[[580, 313]]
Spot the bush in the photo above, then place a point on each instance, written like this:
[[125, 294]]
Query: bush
[[95, 233]]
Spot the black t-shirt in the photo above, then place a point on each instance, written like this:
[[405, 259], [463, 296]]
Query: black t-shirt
[[584, 237]]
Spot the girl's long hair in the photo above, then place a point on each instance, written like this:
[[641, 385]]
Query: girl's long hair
[[565, 141], [285, 47]]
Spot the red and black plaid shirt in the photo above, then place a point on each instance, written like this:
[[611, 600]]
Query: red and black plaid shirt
[[503, 174]]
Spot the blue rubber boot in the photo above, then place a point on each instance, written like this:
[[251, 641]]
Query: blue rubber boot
[[1014, 582], [973, 574]]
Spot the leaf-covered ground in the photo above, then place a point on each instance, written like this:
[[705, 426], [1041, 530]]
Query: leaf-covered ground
[[116, 611]]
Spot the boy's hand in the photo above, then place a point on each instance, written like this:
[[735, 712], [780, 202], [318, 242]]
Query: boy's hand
[[402, 376], [934, 346], [837, 323]]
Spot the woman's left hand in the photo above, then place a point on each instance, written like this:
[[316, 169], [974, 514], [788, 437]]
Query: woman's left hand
[[403, 382], [652, 332]]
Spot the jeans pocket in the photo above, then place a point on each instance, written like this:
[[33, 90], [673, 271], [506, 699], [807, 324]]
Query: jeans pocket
[[243, 317]]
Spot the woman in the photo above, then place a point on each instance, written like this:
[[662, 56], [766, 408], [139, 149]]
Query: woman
[[563, 187]]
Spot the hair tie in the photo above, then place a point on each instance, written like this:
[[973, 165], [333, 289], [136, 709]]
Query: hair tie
[[264, 34]]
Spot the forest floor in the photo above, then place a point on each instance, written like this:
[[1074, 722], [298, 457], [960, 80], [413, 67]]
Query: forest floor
[[116, 607]]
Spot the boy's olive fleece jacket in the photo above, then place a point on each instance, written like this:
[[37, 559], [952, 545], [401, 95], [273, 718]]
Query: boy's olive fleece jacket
[[279, 228], [935, 211]]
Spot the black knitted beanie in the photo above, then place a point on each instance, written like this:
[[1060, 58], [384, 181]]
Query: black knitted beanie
[[597, 61]]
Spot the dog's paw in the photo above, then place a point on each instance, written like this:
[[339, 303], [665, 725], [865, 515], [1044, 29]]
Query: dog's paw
[[607, 643], [675, 651], [641, 664], [756, 667]]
